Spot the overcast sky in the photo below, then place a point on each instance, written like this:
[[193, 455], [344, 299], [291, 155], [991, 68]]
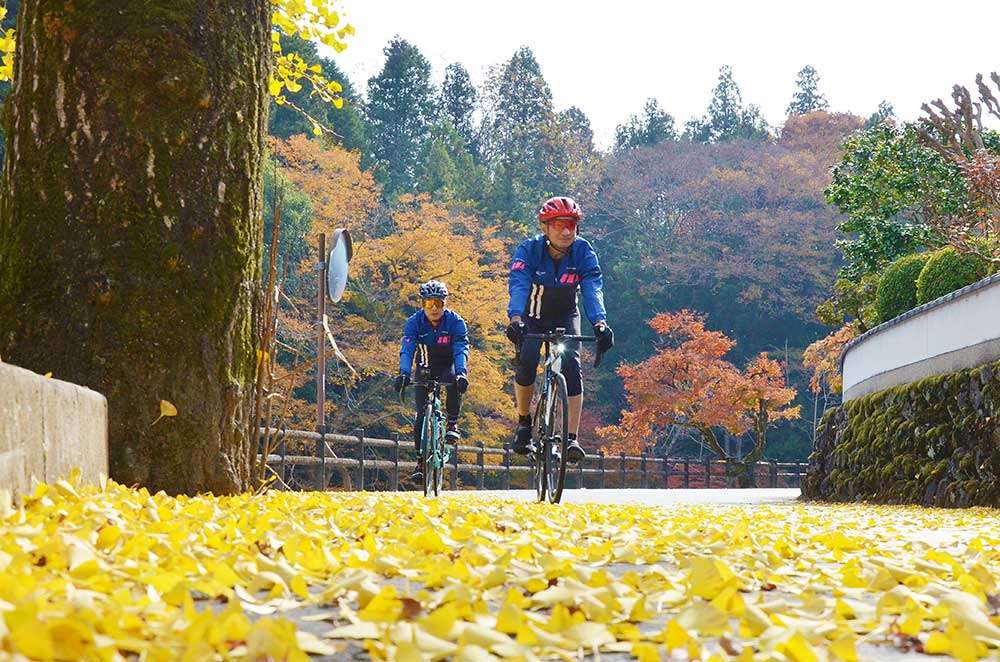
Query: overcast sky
[[608, 58]]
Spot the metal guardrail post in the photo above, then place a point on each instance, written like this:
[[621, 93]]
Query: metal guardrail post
[[708, 474], [621, 465], [506, 464], [687, 475], [642, 467], [284, 453], [600, 456], [774, 473], [361, 459], [395, 462], [482, 466], [579, 470], [321, 454], [454, 469]]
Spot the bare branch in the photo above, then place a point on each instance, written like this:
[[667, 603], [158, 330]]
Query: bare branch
[[986, 94]]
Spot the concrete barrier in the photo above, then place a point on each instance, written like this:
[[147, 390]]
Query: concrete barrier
[[960, 330], [48, 427]]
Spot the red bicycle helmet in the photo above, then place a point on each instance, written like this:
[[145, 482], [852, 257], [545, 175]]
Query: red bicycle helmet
[[559, 207]]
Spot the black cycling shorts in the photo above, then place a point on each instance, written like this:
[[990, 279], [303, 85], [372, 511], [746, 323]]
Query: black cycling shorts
[[531, 351]]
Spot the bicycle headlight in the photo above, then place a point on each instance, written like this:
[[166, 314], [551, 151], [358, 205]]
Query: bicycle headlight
[[560, 347]]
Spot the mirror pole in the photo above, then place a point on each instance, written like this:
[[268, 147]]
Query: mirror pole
[[321, 268]]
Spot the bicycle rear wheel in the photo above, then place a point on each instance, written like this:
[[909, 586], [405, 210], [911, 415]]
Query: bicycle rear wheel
[[541, 471], [556, 435], [427, 442]]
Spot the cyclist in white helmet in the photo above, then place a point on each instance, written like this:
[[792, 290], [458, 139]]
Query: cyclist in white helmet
[[438, 339]]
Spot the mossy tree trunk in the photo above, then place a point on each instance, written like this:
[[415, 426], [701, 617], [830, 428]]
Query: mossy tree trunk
[[130, 231]]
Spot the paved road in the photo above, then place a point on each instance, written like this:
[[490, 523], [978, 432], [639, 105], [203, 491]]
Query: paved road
[[660, 497]]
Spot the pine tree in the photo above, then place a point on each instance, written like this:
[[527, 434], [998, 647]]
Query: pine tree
[[518, 117], [446, 169], [519, 104], [578, 125], [399, 112], [458, 101], [651, 127], [727, 118], [807, 97]]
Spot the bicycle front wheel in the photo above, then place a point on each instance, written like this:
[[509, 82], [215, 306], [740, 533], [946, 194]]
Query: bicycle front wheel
[[438, 458], [558, 426], [427, 444], [541, 468]]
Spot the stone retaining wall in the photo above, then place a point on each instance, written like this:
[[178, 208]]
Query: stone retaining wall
[[934, 442], [48, 427]]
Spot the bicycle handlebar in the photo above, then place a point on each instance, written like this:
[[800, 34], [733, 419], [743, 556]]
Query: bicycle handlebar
[[553, 336], [428, 384]]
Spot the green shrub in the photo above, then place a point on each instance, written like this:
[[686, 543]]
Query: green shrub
[[897, 289], [947, 270]]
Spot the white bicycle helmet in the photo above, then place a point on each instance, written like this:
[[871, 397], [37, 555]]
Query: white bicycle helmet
[[433, 289]]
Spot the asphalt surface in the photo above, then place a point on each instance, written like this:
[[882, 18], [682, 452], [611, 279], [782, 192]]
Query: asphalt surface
[[660, 497]]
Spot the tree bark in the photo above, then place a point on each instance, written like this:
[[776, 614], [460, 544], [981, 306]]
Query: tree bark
[[130, 222]]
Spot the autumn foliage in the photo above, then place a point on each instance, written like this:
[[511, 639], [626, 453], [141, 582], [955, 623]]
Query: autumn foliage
[[395, 250], [689, 383], [823, 358]]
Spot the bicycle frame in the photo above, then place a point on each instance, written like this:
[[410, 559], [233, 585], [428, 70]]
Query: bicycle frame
[[439, 453], [551, 357]]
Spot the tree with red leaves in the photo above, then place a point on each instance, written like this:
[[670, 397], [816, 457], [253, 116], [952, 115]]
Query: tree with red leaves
[[689, 383]]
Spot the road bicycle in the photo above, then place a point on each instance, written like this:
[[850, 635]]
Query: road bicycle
[[433, 448], [550, 422]]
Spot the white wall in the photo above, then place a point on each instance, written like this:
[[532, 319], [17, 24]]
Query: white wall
[[957, 331]]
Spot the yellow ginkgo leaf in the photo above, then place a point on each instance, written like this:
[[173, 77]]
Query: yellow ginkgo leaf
[[166, 409], [844, 649]]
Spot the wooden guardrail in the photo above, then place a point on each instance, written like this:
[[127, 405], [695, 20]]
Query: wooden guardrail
[[359, 455]]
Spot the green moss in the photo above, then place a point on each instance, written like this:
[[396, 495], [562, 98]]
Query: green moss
[[935, 442]]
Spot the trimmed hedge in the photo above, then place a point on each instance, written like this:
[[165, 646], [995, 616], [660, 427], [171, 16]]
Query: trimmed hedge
[[935, 442], [947, 270], [897, 289]]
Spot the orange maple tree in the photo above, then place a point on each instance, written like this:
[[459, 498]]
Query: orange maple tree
[[823, 358], [689, 383], [765, 397]]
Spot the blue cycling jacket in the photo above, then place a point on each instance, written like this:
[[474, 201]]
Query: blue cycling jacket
[[543, 289], [435, 348]]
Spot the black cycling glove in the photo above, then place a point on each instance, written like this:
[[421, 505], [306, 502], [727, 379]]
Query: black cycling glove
[[605, 337]]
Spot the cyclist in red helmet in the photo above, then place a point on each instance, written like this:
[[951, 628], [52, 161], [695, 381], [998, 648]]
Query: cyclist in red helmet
[[546, 275]]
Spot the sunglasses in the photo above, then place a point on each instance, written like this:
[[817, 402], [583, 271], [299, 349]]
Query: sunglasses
[[564, 223], [431, 304]]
